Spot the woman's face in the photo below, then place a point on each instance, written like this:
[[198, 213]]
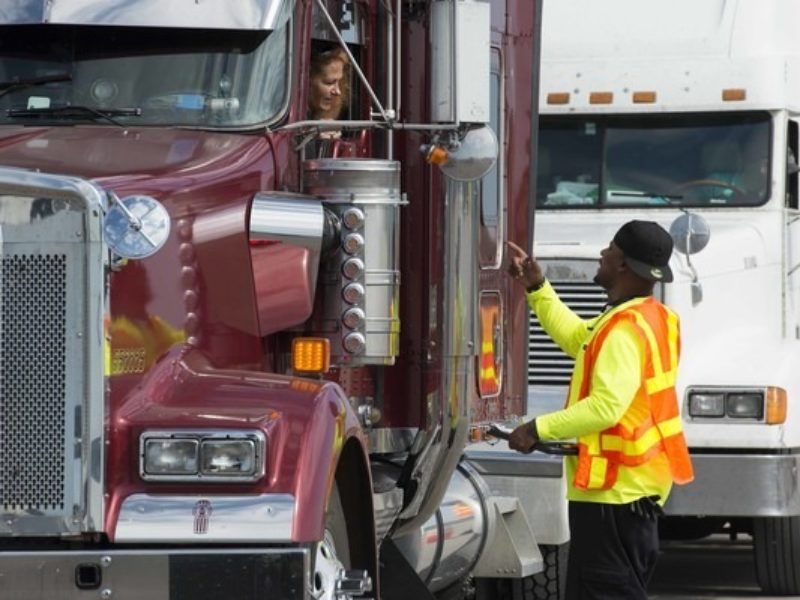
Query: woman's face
[[326, 91]]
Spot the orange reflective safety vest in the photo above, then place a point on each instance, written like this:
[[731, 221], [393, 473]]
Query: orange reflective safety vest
[[652, 424]]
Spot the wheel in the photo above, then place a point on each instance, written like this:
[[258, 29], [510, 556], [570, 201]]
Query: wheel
[[776, 548], [548, 585], [332, 553]]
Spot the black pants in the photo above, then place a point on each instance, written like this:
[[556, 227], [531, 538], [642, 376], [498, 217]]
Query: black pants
[[612, 552]]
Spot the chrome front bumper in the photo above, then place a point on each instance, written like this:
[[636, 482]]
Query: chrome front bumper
[[168, 574], [740, 485]]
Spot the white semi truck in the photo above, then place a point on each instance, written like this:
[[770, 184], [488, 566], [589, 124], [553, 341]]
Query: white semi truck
[[686, 113]]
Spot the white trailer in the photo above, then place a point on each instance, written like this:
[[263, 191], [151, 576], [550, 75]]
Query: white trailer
[[686, 113]]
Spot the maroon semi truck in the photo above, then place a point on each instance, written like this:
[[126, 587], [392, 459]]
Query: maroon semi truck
[[243, 351]]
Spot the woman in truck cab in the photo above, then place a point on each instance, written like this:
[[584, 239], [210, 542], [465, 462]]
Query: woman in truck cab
[[329, 84]]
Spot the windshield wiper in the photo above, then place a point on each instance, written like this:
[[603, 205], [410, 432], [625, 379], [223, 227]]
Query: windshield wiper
[[18, 84], [646, 195], [77, 111]]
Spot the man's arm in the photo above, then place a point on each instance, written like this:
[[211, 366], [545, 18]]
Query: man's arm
[[616, 377], [565, 327]]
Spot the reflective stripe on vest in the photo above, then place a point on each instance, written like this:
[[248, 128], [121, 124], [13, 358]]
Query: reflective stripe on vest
[[632, 441]]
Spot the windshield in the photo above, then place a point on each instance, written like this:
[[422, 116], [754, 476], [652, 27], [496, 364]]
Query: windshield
[[655, 160], [141, 76]]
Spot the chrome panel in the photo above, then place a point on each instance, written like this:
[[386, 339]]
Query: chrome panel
[[371, 190], [231, 14], [387, 505], [54, 303], [537, 480], [444, 548], [206, 519], [437, 448], [388, 440], [138, 574], [741, 485]]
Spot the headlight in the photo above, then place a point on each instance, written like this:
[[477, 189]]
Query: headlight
[[706, 404], [196, 455], [745, 405], [735, 405], [228, 457], [170, 457]]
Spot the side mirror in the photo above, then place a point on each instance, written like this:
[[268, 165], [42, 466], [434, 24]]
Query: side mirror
[[690, 233]]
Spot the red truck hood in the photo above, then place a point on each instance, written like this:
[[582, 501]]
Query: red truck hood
[[117, 152]]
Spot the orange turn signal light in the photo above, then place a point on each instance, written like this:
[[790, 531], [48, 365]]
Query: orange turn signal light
[[437, 156], [775, 405], [311, 355]]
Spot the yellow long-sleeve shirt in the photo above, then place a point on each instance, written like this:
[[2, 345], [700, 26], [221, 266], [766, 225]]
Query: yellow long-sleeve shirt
[[615, 378]]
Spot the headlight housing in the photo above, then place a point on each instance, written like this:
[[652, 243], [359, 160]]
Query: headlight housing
[[213, 455], [736, 405]]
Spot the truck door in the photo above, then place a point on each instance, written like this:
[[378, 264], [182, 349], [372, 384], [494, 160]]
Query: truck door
[[492, 233], [792, 203]]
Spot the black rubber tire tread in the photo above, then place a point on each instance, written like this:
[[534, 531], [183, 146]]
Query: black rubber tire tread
[[776, 549], [547, 585]]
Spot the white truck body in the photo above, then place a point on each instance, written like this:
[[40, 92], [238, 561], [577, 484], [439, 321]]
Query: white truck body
[[642, 103]]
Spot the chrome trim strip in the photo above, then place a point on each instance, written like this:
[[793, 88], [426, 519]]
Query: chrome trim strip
[[199, 519]]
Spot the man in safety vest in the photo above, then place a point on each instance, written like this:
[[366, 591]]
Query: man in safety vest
[[621, 408]]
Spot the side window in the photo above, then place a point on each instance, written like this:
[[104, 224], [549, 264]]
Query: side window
[[792, 167], [491, 184]]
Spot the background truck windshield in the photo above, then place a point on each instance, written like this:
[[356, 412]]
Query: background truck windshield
[[621, 161], [61, 75]]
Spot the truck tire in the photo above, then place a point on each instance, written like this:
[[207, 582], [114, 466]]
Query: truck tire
[[547, 585], [776, 548]]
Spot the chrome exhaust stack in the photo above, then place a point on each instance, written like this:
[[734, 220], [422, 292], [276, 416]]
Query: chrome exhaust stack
[[360, 281]]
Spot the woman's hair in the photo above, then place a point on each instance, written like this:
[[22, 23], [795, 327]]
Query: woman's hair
[[318, 64]]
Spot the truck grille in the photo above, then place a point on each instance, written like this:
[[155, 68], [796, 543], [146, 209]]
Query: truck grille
[[547, 364], [52, 310], [32, 385]]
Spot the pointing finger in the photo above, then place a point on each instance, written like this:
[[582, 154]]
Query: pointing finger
[[519, 251]]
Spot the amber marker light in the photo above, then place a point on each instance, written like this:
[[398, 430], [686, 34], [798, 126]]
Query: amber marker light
[[734, 95], [311, 355], [437, 155], [601, 98], [775, 405], [558, 98], [644, 97], [476, 434]]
